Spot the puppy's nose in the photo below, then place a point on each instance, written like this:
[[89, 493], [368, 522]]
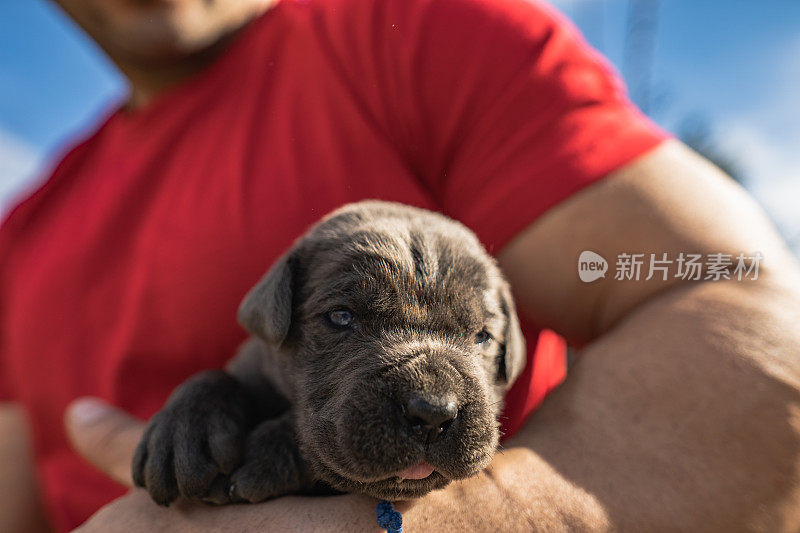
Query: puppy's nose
[[431, 418]]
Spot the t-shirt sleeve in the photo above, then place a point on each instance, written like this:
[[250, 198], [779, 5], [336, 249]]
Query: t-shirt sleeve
[[499, 106], [524, 112]]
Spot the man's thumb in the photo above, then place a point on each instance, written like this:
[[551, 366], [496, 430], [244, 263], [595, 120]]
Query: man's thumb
[[104, 436]]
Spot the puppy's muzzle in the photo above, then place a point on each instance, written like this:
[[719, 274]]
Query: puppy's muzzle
[[430, 417]]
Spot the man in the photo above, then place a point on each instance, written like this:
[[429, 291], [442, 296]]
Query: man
[[250, 119]]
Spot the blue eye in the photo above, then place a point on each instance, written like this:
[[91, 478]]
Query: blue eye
[[483, 337], [341, 317]]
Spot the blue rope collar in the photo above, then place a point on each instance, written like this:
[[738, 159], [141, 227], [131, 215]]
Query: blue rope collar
[[388, 518]]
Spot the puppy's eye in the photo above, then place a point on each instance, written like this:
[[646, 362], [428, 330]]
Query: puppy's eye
[[483, 337], [341, 317]]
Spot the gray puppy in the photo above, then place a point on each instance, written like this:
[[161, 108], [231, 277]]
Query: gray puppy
[[384, 342]]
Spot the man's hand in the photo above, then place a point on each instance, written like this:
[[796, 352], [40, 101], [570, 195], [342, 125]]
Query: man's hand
[[104, 436]]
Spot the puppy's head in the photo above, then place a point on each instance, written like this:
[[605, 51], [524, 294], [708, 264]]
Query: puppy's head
[[401, 338]]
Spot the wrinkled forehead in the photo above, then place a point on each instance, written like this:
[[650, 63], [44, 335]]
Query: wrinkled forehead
[[405, 272]]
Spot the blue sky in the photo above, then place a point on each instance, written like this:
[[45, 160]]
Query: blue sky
[[734, 63]]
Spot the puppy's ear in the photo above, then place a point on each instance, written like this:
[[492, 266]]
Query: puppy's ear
[[266, 310], [512, 355]]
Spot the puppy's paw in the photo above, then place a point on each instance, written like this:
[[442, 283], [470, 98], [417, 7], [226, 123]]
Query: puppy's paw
[[195, 439], [272, 464]]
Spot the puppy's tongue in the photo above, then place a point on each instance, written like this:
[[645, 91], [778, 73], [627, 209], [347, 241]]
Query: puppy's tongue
[[420, 471]]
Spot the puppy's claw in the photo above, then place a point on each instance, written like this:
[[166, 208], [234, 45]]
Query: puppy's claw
[[220, 492]]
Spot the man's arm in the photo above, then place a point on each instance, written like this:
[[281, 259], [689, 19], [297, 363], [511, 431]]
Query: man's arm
[[669, 201], [684, 409], [20, 507], [683, 412]]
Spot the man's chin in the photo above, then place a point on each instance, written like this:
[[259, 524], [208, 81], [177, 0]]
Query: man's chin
[[165, 31], [161, 41]]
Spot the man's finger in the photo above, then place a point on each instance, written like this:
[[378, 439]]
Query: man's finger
[[104, 436]]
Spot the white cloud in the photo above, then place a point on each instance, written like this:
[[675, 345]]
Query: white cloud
[[20, 166], [765, 139], [772, 168]]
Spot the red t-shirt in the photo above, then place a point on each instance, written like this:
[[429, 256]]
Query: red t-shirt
[[121, 276]]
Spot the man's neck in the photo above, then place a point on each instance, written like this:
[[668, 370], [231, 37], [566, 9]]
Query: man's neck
[[148, 81]]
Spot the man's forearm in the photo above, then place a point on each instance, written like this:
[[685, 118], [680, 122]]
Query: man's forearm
[[685, 416]]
